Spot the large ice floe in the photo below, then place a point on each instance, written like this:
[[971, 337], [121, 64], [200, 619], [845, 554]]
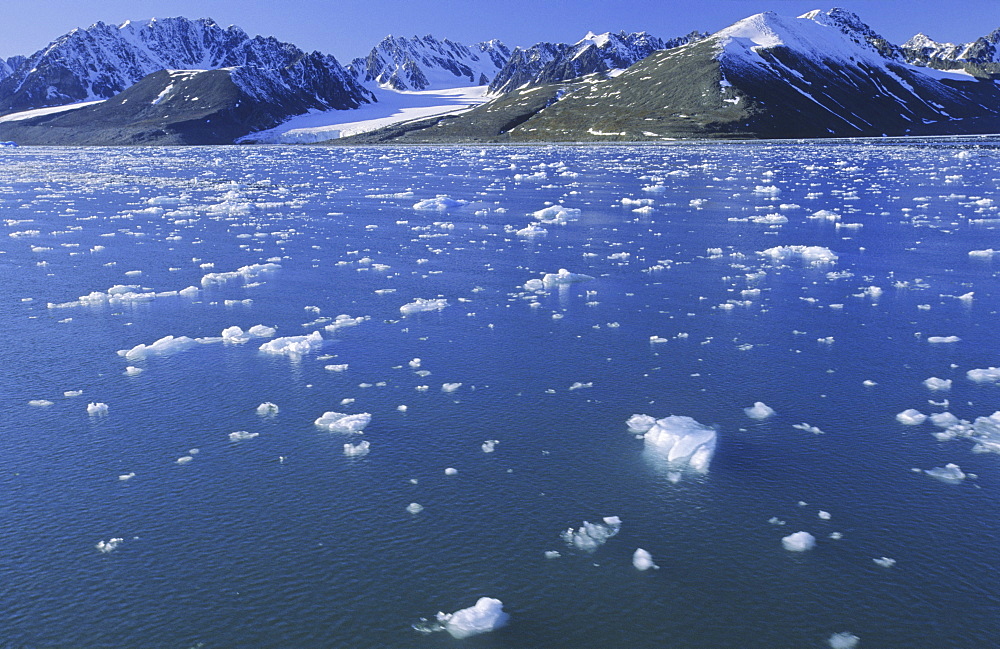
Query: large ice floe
[[294, 345], [551, 280], [676, 441], [423, 304], [810, 255], [486, 615], [246, 272], [338, 422], [590, 536]]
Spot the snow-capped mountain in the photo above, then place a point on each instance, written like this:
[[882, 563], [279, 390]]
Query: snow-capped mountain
[[423, 63], [980, 57], [554, 62], [103, 60], [823, 74], [7, 66]]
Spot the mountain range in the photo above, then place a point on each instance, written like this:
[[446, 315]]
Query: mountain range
[[822, 74]]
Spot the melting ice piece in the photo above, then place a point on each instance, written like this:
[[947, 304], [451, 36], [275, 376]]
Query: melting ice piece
[[338, 422], [934, 383], [294, 345], [949, 473], [415, 363], [489, 445], [450, 387], [843, 640], [760, 410], [344, 320], [451, 471], [799, 542], [41, 403], [563, 277], [681, 441], [911, 417], [987, 375], [809, 429], [810, 255], [357, 450], [885, 562], [642, 560], [267, 409], [640, 423], [486, 615], [241, 435], [97, 408], [422, 304], [109, 546], [440, 203], [556, 215], [986, 432], [591, 536], [414, 508], [943, 339], [165, 345]]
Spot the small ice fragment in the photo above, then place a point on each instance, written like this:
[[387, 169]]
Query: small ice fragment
[[451, 471], [591, 536], [357, 450], [809, 429], [640, 423], [552, 554], [799, 542], [885, 562], [421, 304], [267, 409], [72, 393], [185, 459], [911, 417], [414, 508], [984, 375], [97, 408], [294, 346], [943, 339], [489, 445], [415, 363], [241, 435], [486, 615], [760, 410], [126, 476], [868, 383], [450, 387], [774, 520], [824, 515], [934, 383], [843, 640], [42, 403], [336, 368], [110, 545], [580, 386], [132, 370], [642, 560], [949, 473], [402, 408]]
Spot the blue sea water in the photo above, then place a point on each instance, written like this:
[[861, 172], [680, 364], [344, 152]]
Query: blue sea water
[[282, 540]]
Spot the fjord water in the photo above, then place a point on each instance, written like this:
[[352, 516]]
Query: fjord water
[[281, 540]]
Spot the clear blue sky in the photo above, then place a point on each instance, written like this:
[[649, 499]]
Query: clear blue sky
[[348, 29]]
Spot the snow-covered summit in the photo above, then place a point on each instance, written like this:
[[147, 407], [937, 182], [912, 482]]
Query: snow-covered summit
[[981, 56], [425, 63], [102, 60]]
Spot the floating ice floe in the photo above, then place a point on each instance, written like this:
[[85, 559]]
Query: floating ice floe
[[97, 408], [591, 536], [810, 255], [843, 640], [236, 336], [110, 545], [161, 347], [486, 615], [798, 542], [943, 339], [414, 508], [267, 409], [126, 476], [809, 429], [241, 435], [422, 304], [450, 387], [934, 383], [949, 473], [294, 345], [337, 367], [642, 560], [451, 471], [884, 562], [344, 320], [357, 450], [760, 410], [132, 370], [439, 203], [911, 417], [41, 403], [338, 422], [246, 272], [490, 445], [531, 230], [556, 215], [984, 375], [680, 441]]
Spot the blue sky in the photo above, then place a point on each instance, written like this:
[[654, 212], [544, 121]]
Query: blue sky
[[350, 29]]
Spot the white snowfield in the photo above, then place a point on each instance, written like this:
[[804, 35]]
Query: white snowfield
[[51, 110], [392, 107]]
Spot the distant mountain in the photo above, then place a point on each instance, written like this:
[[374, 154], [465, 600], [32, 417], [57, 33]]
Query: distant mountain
[[553, 62], [103, 60], [823, 74], [981, 57], [423, 63], [7, 66]]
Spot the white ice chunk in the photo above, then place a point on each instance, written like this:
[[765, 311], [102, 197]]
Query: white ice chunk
[[241, 435], [110, 545], [294, 345], [640, 423], [42, 403], [682, 442], [563, 277], [885, 562], [934, 383], [556, 215], [949, 473], [422, 304], [591, 536], [415, 363], [943, 419], [911, 417], [357, 450], [642, 560], [440, 203], [760, 410], [163, 346], [987, 375], [490, 445], [799, 542], [843, 640], [267, 409], [132, 370], [344, 320], [414, 508], [338, 422], [486, 615], [810, 255], [451, 471], [246, 272], [97, 408], [450, 387], [943, 339]]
